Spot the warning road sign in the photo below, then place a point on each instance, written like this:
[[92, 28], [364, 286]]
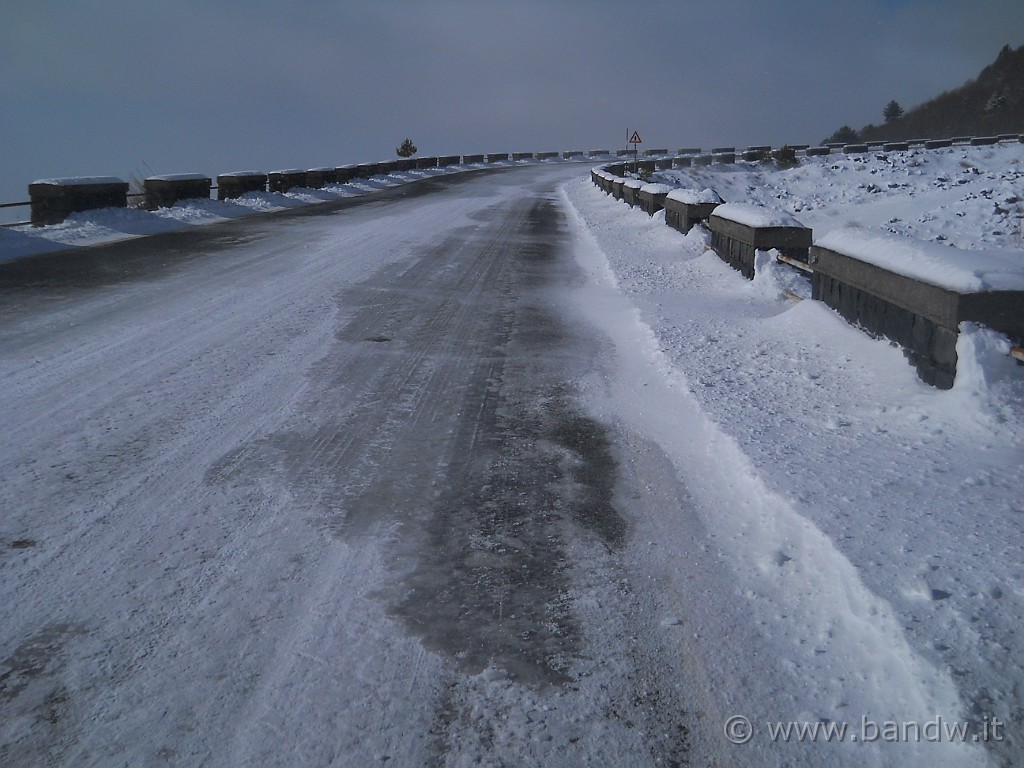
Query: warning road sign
[[635, 138]]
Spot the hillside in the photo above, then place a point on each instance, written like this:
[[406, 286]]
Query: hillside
[[991, 104]]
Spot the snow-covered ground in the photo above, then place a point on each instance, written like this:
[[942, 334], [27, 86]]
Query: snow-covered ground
[[870, 524]]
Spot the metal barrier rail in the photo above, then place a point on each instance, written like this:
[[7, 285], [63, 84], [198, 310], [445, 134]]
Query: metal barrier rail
[[794, 263]]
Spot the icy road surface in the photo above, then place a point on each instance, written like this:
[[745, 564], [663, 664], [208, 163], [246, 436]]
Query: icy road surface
[[317, 490]]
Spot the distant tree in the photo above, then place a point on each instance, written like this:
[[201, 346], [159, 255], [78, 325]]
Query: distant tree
[[845, 135], [892, 111], [408, 149]]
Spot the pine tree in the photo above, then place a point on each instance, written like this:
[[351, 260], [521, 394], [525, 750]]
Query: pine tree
[[845, 135], [892, 111], [408, 149]]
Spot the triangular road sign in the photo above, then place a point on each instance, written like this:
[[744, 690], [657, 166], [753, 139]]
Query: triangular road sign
[[635, 138]]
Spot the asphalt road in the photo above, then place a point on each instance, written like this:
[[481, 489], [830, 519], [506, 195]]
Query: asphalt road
[[316, 489]]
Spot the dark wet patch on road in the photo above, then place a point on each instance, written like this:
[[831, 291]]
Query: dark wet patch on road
[[491, 587]]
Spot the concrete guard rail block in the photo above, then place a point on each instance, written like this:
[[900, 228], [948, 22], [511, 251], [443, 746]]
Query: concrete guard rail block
[[366, 170], [663, 163], [497, 157], [617, 188], [725, 158], [682, 162], [938, 143], [683, 211], [344, 173], [703, 160], [446, 160], [723, 150], [232, 185], [817, 151], [852, 149], [317, 178], [896, 146], [426, 162], [655, 152], [623, 152], [631, 191], [518, 156], [547, 155], [405, 164], [282, 181], [688, 151], [598, 153], [470, 159], [739, 230], [984, 141], [921, 316], [165, 191], [652, 197], [571, 154], [53, 199]]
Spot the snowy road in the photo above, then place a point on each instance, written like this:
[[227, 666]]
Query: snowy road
[[317, 490]]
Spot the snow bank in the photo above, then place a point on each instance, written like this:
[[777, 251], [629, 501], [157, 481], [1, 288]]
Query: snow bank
[[936, 264]]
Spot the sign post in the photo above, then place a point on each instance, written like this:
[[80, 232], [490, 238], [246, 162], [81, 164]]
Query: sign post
[[635, 139]]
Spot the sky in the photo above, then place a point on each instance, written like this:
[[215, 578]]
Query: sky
[[133, 89]]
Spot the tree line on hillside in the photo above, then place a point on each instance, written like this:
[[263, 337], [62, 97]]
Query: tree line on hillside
[[991, 104]]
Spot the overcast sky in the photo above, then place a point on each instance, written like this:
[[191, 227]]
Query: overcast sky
[[99, 87]]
